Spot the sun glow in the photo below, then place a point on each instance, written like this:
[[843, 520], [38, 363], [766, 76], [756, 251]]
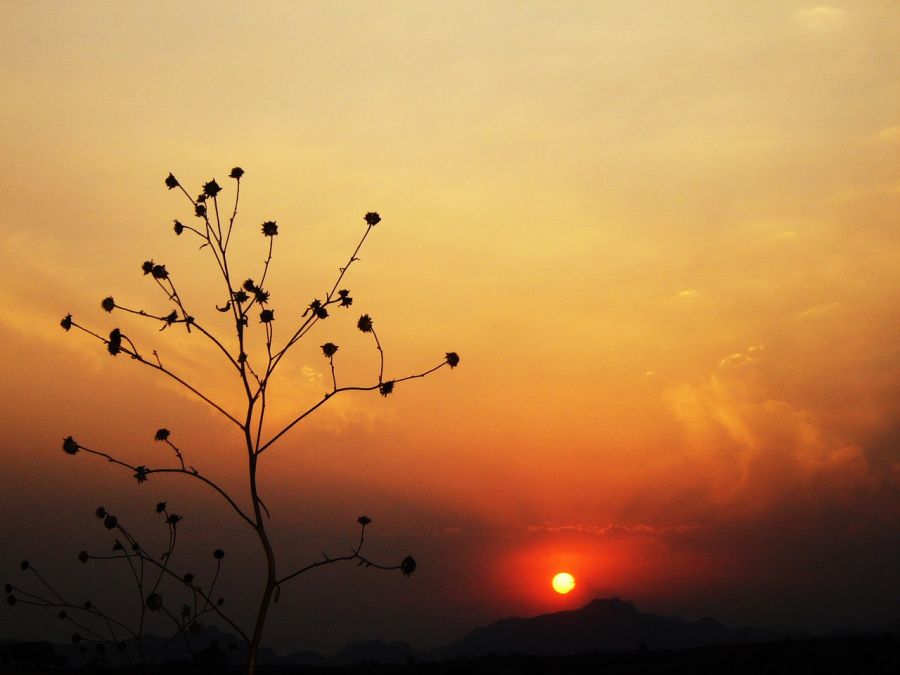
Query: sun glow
[[563, 583]]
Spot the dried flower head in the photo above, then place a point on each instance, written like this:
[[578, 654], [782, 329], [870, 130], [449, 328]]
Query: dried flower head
[[344, 295], [267, 316], [365, 323], [108, 303], [372, 218], [160, 507], [147, 266], [173, 519], [200, 210], [218, 554], [140, 474], [386, 388], [236, 173], [262, 297], [114, 345], [171, 181], [329, 349], [62, 615], [66, 322], [24, 565], [83, 556], [249, 285], [408, 566], [270, 228], [212, 188], [70, 447], [159, 272], [161, 435], [100, 512], [188, 578], [179, 227], [154, 602], [452, 359], [110, 522], [171, 317], [240, 297], [317, 308], [364, 520]]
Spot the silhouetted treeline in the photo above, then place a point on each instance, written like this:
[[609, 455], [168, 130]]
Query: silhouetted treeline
[[867, 655]]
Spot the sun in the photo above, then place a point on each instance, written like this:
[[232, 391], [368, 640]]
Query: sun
[[563, 583]]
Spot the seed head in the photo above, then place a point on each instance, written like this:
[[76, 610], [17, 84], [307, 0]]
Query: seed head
[[211, 189], [408, 566]]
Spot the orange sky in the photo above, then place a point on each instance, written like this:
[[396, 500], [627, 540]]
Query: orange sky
[[661, 236]]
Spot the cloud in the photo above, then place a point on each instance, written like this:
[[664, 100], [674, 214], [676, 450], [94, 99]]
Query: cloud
[[890, 135], [756, 449], [822, 18], [612, 529], [824, 310], [688, 293], [751, 355]]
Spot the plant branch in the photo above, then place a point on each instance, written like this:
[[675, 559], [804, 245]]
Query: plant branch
[[331, 394]]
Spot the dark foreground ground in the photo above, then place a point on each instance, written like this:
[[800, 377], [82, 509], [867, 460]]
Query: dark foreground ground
[[857, 655]]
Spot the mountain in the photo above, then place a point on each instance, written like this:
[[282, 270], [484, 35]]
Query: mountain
[[602, 625]]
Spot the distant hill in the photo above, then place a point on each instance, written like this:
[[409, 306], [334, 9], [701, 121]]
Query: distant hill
[[601, 625]]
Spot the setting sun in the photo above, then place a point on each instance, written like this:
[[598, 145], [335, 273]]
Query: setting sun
[[563, 583]]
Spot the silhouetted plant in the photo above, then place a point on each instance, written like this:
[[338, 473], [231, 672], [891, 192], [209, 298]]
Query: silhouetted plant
[[249, 305]]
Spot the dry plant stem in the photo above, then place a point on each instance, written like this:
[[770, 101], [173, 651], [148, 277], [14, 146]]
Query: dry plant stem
[[237, 509], [158, 366], [380, 357], [328, 560], [330, 394], [191, 321], [146, 568], [206, 596], [237, 197]]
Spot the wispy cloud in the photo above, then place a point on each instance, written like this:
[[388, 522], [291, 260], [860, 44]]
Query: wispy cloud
[[612, 529], [890, 135], [822, 18]]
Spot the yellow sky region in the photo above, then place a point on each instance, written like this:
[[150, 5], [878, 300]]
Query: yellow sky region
[[662, 236]]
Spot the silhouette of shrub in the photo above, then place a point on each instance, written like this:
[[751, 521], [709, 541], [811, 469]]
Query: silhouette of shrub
[[189, 600]]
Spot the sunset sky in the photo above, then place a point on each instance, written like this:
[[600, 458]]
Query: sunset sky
[[662, 237]]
